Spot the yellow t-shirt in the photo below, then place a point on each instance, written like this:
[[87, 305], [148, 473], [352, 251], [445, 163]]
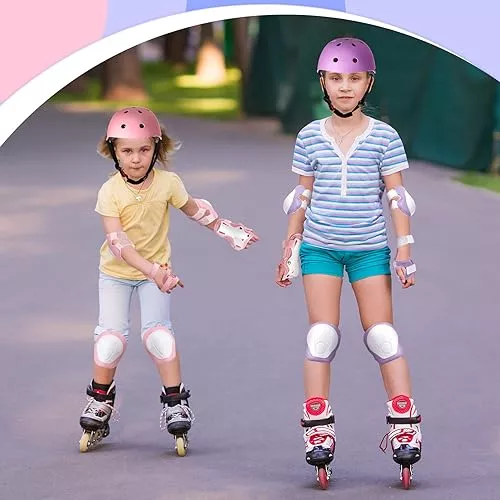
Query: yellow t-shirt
[[146, 221]]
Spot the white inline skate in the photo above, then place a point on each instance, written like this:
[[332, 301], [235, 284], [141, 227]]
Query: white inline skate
[[177, 417], [95, 417], [319, 437], [404, 436]]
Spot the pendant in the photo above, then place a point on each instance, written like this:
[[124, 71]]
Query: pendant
[[138, 198]]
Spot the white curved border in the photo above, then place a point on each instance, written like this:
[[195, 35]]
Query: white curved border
[[19, 106]]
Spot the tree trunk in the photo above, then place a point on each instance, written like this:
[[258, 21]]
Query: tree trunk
[[174, 48], [495, 163], [241, 54], [78, 86], [210, 64], [122, 78], [207, 32], [241, 44]]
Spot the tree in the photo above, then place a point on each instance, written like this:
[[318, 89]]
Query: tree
[[241, 52], [210, 63], [174, 48], [241, 43], [121, 78]]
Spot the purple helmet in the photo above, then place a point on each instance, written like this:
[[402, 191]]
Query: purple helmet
[[346, 55]]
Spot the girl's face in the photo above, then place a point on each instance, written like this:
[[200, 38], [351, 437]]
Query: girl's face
[[134, 156], [346, 89]]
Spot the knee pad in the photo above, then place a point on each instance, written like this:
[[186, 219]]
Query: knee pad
[[323, 341], [399, 197], [109, 347], [159, 342], [382, 341], [299, 197]]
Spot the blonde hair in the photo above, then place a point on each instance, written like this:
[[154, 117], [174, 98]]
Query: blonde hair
[[167, 147]]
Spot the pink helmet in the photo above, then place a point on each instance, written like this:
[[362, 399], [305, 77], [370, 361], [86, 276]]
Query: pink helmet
[[346, 55], [133, 123]]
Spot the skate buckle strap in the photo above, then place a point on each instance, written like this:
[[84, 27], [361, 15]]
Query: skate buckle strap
[[403, 420], [175, 397], [315, 423]]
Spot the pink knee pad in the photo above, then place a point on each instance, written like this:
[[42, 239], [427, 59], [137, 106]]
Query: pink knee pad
[[109, 347], [159, 342]]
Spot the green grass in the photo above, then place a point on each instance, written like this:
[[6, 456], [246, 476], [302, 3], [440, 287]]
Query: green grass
[[481, 180], [170, 91]]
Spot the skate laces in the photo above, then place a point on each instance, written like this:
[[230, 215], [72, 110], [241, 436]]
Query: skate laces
[[321, 429], [175, 412], [94, 406], [408, 432], [319, 436]]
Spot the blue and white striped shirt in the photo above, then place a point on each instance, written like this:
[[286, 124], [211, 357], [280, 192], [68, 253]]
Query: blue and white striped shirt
[[346, 205]]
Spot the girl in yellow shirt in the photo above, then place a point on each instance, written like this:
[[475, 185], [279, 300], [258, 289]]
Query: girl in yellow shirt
[[134, 205]]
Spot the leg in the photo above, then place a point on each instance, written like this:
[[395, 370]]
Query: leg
[[323, 303], [157, 332], [109, 345], [159, 341], [374, 298], [322, 285], [110, 335]]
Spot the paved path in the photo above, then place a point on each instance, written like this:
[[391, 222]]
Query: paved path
[[242, 338]]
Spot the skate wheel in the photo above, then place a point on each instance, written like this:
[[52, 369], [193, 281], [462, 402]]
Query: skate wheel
[[323, 478], [180, 446], [406, 477], [85, 442]]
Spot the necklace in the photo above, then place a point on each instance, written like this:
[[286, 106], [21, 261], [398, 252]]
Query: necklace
[[342, 137], [137, 194]]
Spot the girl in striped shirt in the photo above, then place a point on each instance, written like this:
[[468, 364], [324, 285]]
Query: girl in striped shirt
[[336, 222]]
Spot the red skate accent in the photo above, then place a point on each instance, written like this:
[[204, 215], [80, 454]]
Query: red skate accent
[[406, 436], [318, 439], [401, 404], [315, 406]]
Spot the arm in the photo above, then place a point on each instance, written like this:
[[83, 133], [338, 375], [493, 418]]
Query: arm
[[201, 211], [191, 209], [295, 207], [117, 238], [296, 220], [401, 222], [123, 248]]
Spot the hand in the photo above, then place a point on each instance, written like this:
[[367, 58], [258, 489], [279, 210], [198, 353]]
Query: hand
[[238, 236], [290, 263], [164, 278], [253, 239], [405, 268], [280, 272], [169, 279], [253, 236]]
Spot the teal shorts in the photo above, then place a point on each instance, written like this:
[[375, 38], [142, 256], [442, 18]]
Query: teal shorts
[[359, 264]]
